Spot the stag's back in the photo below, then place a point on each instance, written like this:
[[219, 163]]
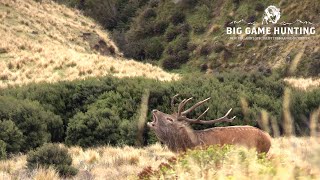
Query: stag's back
[[248, 136]]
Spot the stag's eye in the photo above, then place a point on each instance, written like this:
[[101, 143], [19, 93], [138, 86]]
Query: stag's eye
[[169, 119]]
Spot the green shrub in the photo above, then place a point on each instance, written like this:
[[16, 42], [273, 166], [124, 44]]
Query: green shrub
[[160, 27], [52, 155], [259, 7], [153, 3], [36, 124], [111, 14], [314, 67], [184, 29], [110, 120], [135, 49], [179, 44], [178, 53], [200, 18], [11, 135], [3, 153], [170, 63], [177, 17], [205, 49], [188, 3], [154, 49], [183, 56], [149, 13], [218, 47], [171, 33]]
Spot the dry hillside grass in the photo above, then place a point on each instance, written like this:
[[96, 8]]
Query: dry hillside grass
[[303, 83], [45, 42], [288, 158]]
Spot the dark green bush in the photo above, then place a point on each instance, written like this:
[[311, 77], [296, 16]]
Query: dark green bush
[[170, 63], [160, 27], [3, 153], [135, 49], [218, 47], [154, 49], [171, 33], [11, 135], [205, 49], [188, 3], [314, 67], [36, 124], [177, 17], [199, 29], [149, 13], [111, 14], [178, 53], [110, 120], [153, 3], [259, 7], [183, 56], [179, 44], [184, 29], [52, 155]]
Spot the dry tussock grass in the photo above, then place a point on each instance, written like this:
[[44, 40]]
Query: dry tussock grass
[[286, 156], [116, 162], [42, 42], [303, 83], [45, 174]]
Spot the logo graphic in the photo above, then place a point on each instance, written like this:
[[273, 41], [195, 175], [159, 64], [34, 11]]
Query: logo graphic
[[280, 30], [271, 14]]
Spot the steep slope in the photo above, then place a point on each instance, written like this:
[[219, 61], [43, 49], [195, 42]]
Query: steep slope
[[50, 42], [190, 35]]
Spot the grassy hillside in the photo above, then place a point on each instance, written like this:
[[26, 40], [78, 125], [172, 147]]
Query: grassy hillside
[[50, 42]]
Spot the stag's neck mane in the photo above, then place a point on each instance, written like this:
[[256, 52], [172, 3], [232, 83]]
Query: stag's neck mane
[[182, 138]]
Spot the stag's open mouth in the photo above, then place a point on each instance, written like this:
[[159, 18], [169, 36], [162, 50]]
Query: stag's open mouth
[[154, 120]]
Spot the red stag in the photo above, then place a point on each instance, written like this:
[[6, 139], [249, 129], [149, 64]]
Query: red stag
[[174, 130]]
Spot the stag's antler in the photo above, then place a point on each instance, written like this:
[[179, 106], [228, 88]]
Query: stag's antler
[[222, 119], [181, 116]]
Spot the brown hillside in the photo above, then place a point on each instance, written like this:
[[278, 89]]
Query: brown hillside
[[50, 42]]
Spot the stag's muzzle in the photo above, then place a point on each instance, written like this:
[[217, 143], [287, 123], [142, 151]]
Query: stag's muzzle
[[154, 119]]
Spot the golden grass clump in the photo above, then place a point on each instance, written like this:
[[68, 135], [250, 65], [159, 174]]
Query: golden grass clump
[[46, 174], [303, 83]]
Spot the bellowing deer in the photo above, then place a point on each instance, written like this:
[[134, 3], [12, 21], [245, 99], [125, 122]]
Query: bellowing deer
[[174, 130]]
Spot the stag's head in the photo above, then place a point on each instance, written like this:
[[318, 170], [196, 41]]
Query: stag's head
[[174, 130]]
